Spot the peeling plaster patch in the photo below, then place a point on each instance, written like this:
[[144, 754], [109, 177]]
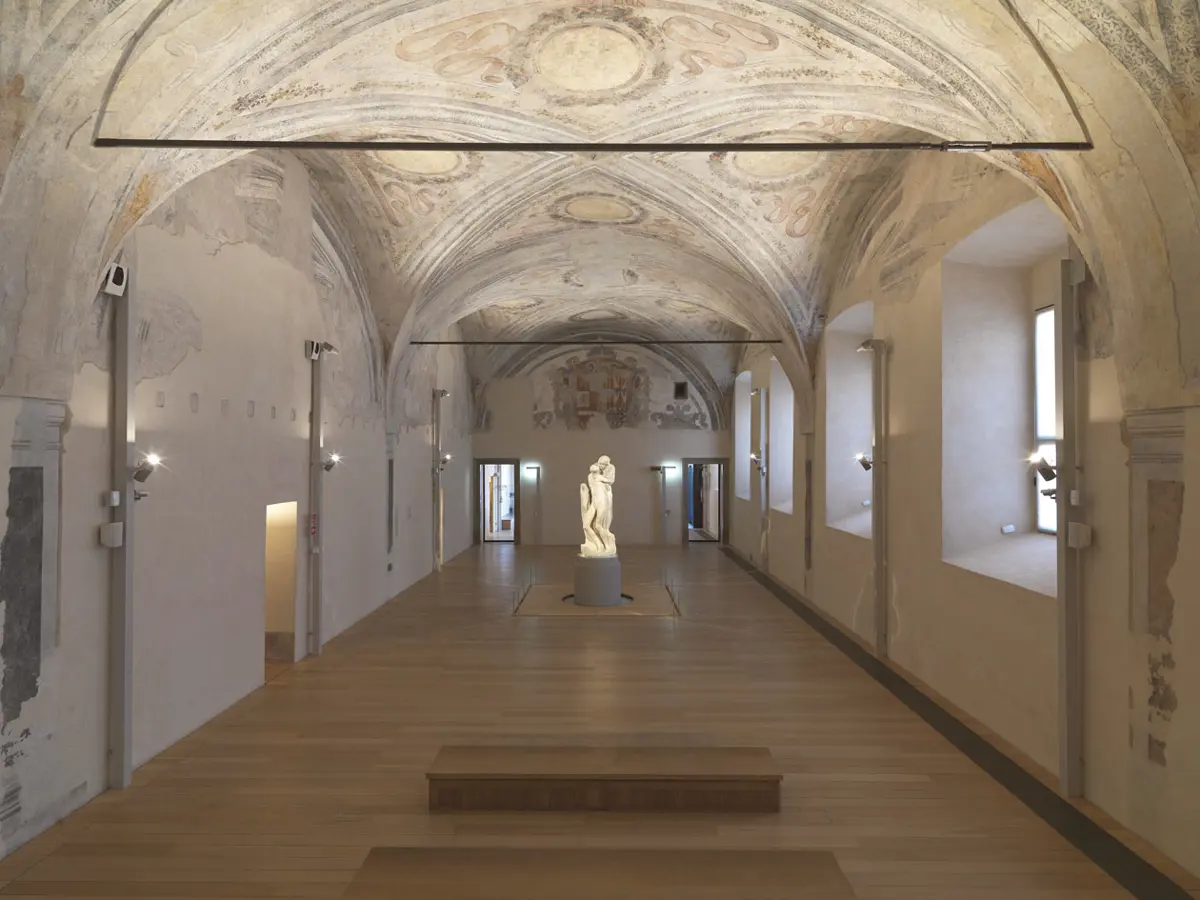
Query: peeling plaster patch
[[1164, 506], [10, 751], [10, 805], [14, 113], [1095, 311], [1162, 693], [21, 590], [1156, 750]]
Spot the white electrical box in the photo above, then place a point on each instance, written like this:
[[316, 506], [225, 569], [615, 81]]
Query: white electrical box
[[112, 535], [1076, 498], [112, 499], [1008, 529], [1079, 535]]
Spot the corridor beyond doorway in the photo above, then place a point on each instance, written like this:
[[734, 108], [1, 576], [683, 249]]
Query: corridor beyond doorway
[[703, 484], [498, 502]]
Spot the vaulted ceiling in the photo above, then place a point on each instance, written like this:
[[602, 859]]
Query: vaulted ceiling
[[526, 246]]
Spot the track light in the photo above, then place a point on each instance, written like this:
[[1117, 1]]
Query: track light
[[333, 460], [147, 467], [865, 461], [1047, 471]]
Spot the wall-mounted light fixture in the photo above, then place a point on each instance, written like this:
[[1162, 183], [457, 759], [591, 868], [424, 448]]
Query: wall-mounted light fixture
[[446, 457], [865, 461], [332, 460], [1047, 471], [759, 462], [755, 392], [315, 349], [442, 392], [147, 467]]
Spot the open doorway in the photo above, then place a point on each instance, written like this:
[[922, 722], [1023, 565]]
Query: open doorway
[[704, 487], [498, 501], [282, 535]]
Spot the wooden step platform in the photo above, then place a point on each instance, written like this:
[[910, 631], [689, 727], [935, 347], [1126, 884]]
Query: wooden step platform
[[614, 779], [452, 873]]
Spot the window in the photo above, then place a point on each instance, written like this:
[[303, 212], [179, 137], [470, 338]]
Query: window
[[1045, 378]]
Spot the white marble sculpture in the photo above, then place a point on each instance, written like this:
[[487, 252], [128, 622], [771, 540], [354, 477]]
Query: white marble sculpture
[[595, 506]]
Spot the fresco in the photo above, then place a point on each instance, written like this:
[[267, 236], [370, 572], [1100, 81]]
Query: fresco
[[603, 388]]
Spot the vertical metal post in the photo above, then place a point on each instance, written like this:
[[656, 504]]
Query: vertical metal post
[[316, 498], [120, 611], [1067, 486], [662, 505], [437, 479], [879, 471]]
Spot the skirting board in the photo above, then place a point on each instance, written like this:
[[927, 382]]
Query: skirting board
[[1134, 873]]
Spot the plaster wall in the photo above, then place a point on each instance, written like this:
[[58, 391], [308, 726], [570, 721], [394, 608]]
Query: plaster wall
[[53, 749], [842, 576], [784, 558], [849, 427], [565, 454], [987, 405]]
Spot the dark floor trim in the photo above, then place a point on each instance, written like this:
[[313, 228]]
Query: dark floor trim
[[1127, 868]]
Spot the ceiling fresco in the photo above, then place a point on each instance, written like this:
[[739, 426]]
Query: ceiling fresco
[[650, 246], [530, 246]]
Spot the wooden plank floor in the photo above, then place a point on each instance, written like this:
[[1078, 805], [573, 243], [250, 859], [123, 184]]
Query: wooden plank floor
[[285, 794]]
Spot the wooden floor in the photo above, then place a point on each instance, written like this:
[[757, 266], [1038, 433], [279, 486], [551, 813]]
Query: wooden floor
[[285, 794]]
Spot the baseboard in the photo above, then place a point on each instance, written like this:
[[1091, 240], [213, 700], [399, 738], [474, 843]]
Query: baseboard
[[1144, 879]]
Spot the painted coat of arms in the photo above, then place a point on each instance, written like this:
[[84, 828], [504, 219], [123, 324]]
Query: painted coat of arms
[[601, 385]]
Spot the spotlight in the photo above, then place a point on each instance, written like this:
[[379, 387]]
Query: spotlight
[[314, 349], [865, 461], [1047, 471], [446, 457], [333, 460], [442, 392], [758, 461], [146, 467]]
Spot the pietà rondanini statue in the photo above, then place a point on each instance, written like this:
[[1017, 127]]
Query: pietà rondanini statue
[[595, 506]]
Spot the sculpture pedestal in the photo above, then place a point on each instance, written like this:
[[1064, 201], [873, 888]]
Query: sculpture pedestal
[[598, 581]]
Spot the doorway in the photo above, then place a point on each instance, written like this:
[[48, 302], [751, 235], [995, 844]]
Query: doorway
[[282, 533], [704, 487], [499, 501]]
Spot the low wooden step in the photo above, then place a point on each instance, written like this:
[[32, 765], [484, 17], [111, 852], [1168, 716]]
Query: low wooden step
[[468, 873], [617, 779]]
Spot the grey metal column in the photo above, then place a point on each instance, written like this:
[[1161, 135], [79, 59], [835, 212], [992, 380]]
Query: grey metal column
[[438, 549], [120, 611], [316, 497], [879, 470], [1067, 487]]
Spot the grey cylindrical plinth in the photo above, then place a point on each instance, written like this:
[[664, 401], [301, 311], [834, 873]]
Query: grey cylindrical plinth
[[598, 581]]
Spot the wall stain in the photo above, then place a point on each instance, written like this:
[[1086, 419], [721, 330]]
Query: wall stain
[[21, 590]]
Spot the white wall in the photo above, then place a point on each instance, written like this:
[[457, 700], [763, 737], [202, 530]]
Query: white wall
[[849, 427], [565, 454], [987, 405], [228, 285]]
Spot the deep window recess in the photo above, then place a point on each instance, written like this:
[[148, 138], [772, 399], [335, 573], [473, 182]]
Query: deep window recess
[[1045, 415]]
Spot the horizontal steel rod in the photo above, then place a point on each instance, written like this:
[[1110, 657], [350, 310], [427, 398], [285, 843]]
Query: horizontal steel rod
[[577, 343], [539, 147]]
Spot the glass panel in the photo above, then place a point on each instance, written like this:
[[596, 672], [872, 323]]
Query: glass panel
[[1047, 509], [1045, 375]]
